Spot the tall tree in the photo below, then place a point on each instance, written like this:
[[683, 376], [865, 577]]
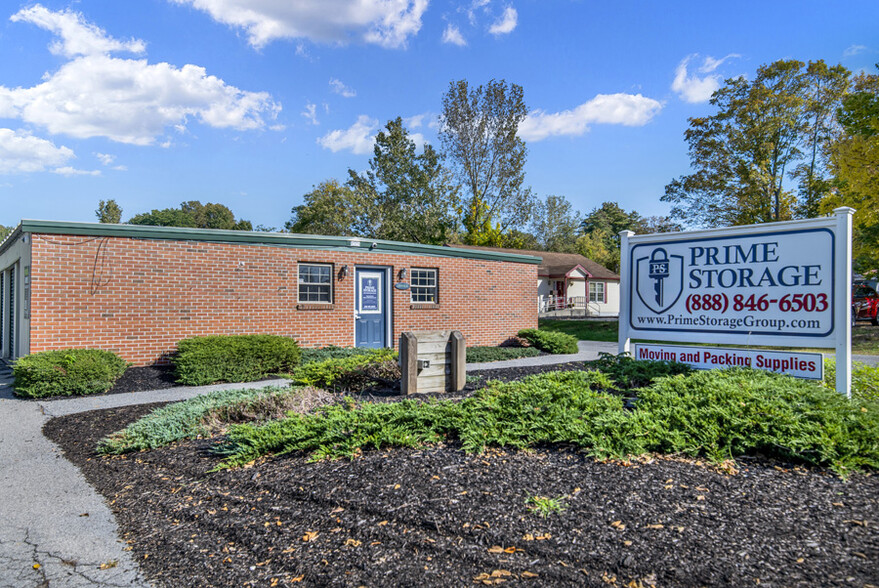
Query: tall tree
[[330, 209], [404, 196], [109, 212], [4, 232], [601, 228], [742, 155], [193, 214], [854, 161], [478, 132], [555, 224], [824, 89]]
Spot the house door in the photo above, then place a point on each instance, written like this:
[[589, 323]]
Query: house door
[[370, 308]]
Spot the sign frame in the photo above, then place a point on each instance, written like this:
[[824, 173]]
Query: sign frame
[[837, 337]]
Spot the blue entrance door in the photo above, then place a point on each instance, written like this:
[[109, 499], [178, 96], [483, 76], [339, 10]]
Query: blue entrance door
[[371, 311]]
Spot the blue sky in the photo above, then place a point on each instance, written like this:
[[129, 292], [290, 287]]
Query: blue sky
[[253, 102]]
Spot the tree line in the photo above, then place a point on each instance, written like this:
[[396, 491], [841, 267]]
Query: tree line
[[796, 141]]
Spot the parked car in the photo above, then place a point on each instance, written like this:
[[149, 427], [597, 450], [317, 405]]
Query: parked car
[[865, 304]]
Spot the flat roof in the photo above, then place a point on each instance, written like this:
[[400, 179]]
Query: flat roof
[[292, 240]]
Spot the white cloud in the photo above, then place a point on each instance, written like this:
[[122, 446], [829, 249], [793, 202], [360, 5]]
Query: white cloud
[[414, 122], [107, 160], [70, 171], [853, 50], [692, 88], [358, 138], [614, 109], [341, 89], [77, 37], [388, 23], [126, 100], [22, 153], [453, 35], [506, 23], [310, 113]]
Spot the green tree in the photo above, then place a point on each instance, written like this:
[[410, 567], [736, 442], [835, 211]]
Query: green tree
[[478, 132], [601, 228], [824, 89], [330, 209], [597, 245], [658, 224], [555, 224], [404, 196], [4, 232], [109, 212], [193, 214], [742, 155], [854, 162]]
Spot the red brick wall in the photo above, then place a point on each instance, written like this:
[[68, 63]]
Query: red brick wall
[[138, 297]]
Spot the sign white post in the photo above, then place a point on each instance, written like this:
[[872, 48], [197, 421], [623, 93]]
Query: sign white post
[[625, 287], [784, 284], [844, 294]]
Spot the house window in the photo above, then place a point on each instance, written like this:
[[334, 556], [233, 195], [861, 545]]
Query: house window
[[596, 292], [315, 283], [423, 286]]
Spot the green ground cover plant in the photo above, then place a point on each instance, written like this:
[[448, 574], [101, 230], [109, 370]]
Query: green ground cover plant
[[550, 341], [207, 413], [327, 373], [583, 330], [489, 354], [629, 373], [66, 372], [331, 352], [545, 505], [233, 358], [716, 414]]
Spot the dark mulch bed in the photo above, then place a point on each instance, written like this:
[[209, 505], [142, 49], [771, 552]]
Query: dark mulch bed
[[440, 517]]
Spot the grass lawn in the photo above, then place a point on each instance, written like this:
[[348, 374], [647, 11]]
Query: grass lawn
[[588, 330], [865, 339]]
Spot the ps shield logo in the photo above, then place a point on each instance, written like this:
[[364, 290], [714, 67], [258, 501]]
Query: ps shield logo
[[659, 279]]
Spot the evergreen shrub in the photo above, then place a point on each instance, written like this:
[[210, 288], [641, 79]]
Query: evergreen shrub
[[234, 358], [66, 372]]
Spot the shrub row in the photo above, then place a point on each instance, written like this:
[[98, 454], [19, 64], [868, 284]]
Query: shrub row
[[488, 354], [716, 414], [550, 341], [328, 373], [66, 372], [234, 358]]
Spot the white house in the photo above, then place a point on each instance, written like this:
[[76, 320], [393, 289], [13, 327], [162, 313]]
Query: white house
[[571, 281]]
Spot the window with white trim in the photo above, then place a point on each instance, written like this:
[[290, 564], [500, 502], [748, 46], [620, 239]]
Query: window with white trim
[[315, 283], [596, 292], [423, 286]]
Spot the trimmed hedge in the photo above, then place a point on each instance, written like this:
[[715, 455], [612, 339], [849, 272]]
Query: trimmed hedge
[[328, 374], [489, 354], [550, 341], [66, 372], [234, 358]]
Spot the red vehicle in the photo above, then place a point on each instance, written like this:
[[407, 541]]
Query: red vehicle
[[865, 304]]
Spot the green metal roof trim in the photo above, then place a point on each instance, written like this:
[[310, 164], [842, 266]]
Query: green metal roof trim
[[258, 238]]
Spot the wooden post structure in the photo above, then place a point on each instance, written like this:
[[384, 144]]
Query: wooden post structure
[[432, 361]]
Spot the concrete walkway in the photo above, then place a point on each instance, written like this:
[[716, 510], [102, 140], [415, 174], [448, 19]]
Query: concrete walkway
[[55, 530]]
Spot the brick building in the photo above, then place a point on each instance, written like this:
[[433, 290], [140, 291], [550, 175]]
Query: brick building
[[137, 290]]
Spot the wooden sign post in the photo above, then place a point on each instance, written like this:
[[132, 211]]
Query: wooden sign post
[[433, 361]]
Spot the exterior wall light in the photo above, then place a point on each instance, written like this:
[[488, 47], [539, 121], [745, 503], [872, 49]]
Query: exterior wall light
[[402, 273], [343, 272]]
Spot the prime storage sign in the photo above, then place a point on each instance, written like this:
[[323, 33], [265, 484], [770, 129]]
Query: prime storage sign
[[774, 285], [777, 283]]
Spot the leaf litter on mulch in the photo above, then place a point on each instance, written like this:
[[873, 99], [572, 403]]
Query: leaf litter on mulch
[[440, 517]]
